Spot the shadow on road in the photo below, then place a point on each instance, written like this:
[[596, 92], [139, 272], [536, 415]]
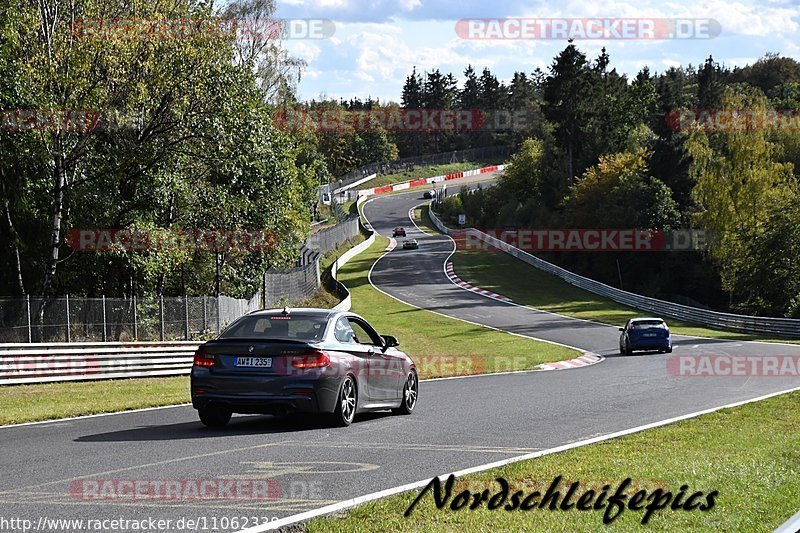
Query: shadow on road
[[238, 426]]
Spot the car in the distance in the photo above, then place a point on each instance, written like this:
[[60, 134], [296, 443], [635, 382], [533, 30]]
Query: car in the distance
[[399, 231], [429, 194], [649, 333], [301, 361], [410, 244]]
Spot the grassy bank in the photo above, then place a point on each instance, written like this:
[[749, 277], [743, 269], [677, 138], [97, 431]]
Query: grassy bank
[[45, 401], [494, 270], [748, 454]]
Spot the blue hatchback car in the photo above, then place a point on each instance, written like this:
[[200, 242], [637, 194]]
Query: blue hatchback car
[[645, 334]]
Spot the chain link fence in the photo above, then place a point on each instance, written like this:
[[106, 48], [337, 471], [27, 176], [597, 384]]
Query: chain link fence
[[328, 239], [73, 319], [284, 286], [410, 163]]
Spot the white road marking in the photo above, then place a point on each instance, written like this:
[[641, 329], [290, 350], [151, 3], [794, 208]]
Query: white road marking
[[347, 504]]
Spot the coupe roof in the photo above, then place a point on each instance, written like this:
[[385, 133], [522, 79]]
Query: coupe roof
[[298, 311]]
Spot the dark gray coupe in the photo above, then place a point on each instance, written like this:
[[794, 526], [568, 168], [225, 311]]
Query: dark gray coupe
[[301, 361]]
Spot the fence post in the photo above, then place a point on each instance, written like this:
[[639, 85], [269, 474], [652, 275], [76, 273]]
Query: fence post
[[205, 313], [185, 317], [69, 338], [105, 332], [28, 307], [219, 318], [135, 321], [161, 316]]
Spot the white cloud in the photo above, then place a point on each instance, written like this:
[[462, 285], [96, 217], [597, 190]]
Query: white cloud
[[377, 43]]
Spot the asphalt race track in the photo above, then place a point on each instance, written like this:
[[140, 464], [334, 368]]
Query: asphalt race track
[[459, 423]]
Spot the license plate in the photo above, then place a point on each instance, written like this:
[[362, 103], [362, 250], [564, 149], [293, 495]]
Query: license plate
[[261, 362], [651, 334]]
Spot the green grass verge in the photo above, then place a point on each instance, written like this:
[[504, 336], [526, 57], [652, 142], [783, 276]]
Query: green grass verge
[[494, 270], [440, 345], [423, 220], [422, 172], [749, 454], [46, 401]]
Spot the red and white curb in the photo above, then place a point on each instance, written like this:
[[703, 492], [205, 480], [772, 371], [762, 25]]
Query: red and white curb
[[392, 244], [421, 182], [584, 360], [464, 285]]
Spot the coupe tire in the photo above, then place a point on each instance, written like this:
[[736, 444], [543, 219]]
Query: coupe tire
[[410, 394], [628, 350], [669, 350], [346, 403], [214, 417]]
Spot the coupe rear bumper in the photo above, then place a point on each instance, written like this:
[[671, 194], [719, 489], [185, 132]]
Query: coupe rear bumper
[[264, 394]]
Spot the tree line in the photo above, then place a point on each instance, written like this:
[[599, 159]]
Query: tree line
[[708, 147], [185, 134]]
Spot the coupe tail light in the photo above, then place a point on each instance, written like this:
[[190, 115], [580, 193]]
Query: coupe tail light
[[201, 358], [314, 359]]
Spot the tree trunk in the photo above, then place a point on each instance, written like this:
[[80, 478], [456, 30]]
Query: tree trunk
[[59, 182], [12, 232]]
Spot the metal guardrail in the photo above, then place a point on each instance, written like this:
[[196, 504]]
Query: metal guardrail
[[346, 303], [783, 327], [49, 362]]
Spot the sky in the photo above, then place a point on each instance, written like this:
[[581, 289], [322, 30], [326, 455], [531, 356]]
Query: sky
[[375, 44]]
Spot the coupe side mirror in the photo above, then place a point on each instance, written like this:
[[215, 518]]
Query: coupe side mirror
[[622, 329], [389, 341]]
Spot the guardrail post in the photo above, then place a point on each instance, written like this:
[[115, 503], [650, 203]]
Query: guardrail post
[[28, 313], [105, 331], [135, 320], [69, 338], [161, 316], [185, 317]]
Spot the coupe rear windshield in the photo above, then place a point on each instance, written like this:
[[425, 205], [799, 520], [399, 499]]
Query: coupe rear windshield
[[300, 327], [649, 323]]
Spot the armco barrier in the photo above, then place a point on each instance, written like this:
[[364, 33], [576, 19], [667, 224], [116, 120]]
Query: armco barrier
[[48, 362], [782, 327]]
